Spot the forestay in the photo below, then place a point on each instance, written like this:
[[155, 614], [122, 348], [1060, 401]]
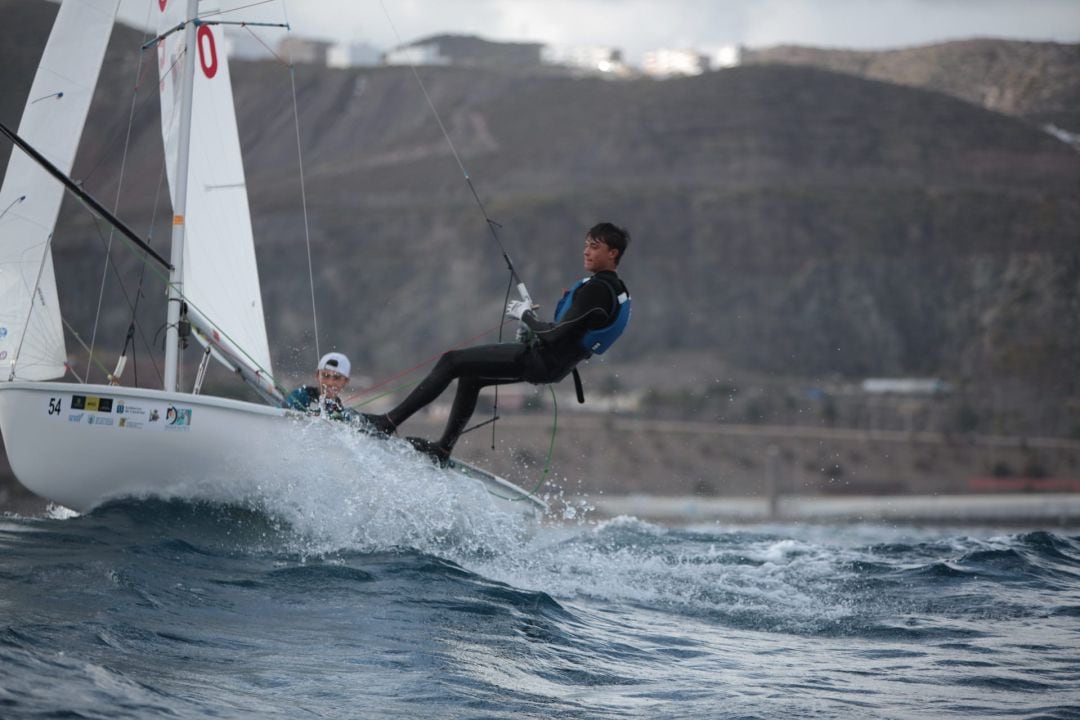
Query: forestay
[[31, 330], [219, 274]]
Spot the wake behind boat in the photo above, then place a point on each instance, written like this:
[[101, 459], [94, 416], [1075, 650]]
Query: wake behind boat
[[81, 444]]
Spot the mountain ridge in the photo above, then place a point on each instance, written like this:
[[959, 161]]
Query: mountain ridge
[[792, 220]]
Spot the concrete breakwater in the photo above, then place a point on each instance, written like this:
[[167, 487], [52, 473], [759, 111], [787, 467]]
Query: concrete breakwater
[[1049, 510], [625, 455]]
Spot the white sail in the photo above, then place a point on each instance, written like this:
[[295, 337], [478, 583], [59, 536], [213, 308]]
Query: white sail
[[219, 274], [52, 122]]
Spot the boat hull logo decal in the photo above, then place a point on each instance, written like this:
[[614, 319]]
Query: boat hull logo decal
[[91, 403], [177, 417]]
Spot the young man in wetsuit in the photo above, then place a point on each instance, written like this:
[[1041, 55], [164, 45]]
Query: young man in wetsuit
[[324, 398], [588, 319]]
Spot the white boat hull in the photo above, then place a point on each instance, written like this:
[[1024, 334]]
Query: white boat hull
[[80, 445]]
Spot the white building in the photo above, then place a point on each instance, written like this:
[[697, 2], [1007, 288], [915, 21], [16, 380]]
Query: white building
[[593, 58], [666, 62], [303, 50], [727, 56], [428, 54], [347, 55]]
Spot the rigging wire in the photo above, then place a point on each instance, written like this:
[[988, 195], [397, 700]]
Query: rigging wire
[[300, 160], [86, 347], [491, 224], [303, 189], [107, 147], [116, 205], [212, 13], [139, 289], [550, 452], [132, 304]]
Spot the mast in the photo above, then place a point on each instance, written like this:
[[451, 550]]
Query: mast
[[176, 277]]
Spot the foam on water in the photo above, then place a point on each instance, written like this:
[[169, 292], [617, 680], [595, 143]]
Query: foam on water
[[349, 491]]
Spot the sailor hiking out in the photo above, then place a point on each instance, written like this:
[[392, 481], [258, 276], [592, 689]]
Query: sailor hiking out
[[588, 319]]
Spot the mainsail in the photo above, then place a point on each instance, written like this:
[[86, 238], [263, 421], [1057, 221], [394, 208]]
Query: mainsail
[[219, 274], [31, 331]]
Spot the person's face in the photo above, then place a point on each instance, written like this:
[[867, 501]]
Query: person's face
[[599, 256], [331, 383]]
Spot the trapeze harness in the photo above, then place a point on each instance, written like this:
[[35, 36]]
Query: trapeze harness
[[598, 340]]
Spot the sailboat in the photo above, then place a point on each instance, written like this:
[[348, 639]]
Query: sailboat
[[79, 444]]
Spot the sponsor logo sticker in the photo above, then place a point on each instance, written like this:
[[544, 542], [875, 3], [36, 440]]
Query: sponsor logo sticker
[[91, 403], [177, 417]]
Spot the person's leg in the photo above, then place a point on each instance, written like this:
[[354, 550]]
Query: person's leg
[[497, 363], [468, 391]]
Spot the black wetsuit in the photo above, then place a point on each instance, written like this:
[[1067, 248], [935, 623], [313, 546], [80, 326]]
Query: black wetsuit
[[548, 357]]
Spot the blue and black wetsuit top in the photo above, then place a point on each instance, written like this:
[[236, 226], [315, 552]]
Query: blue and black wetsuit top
[[307, 399], [589, 318]]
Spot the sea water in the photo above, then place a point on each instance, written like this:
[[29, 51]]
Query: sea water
[[397, 594]]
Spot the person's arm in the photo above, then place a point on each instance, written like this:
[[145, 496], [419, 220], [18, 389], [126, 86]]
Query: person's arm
[[590, 309], [298, 399]]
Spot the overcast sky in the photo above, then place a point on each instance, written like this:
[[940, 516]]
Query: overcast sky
[[639, 25]]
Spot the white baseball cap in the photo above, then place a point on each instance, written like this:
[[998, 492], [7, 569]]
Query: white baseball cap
[[335, 361]]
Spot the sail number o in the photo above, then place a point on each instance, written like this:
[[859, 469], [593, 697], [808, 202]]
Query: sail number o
[[207, 51]]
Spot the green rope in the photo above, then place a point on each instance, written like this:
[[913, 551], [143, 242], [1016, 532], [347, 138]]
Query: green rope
[[550, 453]]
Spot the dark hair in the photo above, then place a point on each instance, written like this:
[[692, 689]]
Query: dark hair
[[611, 235]]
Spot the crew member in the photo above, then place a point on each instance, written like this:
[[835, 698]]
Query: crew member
[[588, 319], [324, 398]]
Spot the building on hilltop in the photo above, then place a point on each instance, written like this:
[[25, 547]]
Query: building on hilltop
[[303, 50], [346, 55], [727, 56], [590, 58], [666, 63], [465, 50]]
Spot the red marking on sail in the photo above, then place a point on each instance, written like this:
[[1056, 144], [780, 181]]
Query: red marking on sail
[[205, 41]]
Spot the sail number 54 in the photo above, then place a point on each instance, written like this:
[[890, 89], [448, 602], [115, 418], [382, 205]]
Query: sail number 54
[[54, 406]]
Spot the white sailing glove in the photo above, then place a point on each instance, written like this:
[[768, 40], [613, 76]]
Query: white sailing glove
[[517, 308]]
